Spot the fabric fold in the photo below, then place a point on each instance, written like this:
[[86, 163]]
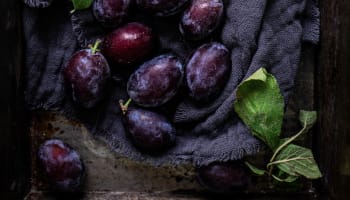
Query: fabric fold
[[259, 33]]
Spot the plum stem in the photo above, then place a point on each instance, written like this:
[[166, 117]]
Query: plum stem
[[124, 107], [94, 48]]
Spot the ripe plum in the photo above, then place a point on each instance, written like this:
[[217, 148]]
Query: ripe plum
[[129, 44], [110, 13], [62, 165], [223, 177], [207, 71], [87, 73], [149, 131], [156, 81], [201, 18]]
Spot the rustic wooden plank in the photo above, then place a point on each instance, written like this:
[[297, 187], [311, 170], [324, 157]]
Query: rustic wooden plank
[[112, 173], [106, 170], [302, 97], [106, 177], [39, 195], [332, 84], [334, 98], [12, 143], [109, 172]]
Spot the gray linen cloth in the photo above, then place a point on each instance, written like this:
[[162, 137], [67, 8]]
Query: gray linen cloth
[[259, 33]]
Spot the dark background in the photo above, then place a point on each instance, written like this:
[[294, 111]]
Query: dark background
[[332, 138], [14, 148]]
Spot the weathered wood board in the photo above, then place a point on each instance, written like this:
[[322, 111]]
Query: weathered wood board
[[323, 83], [108, 173]]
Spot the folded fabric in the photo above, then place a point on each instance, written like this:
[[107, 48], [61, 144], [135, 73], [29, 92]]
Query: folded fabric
[[38, 3], [259, 33]]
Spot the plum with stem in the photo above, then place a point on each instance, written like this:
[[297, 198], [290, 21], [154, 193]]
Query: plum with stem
[[87, 73], [148, 131]]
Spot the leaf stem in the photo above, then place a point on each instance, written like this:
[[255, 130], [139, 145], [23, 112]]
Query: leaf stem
[[288, 160], [94, 49], [276, 178], [283, 180], [286, 143], [124, 107], [280, 148]]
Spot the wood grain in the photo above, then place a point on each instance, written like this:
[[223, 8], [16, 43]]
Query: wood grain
[[35, 195], [13, 169], [332, 100], [333, 97]]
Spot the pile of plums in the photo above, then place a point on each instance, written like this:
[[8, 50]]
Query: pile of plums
[[155, 82]]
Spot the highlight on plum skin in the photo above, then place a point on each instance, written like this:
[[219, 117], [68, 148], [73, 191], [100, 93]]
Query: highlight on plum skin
[[223, 177], [201, 19], [110, 13], [130, 44], [87, 74], [207, 71], [149, 131], [61, 164], [156, 81]]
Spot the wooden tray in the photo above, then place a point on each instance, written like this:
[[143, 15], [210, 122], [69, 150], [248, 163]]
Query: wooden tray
[[322, 84]]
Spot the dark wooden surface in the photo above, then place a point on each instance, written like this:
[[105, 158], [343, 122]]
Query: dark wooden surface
[[12, 137], [333, 138], [333, 102]]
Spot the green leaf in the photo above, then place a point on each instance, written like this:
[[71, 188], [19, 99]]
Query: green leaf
[[260, 105], [284, 177], [297, 161], [287, 178], [255, 170], [81, 4], [284, 140], [307, 119]]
